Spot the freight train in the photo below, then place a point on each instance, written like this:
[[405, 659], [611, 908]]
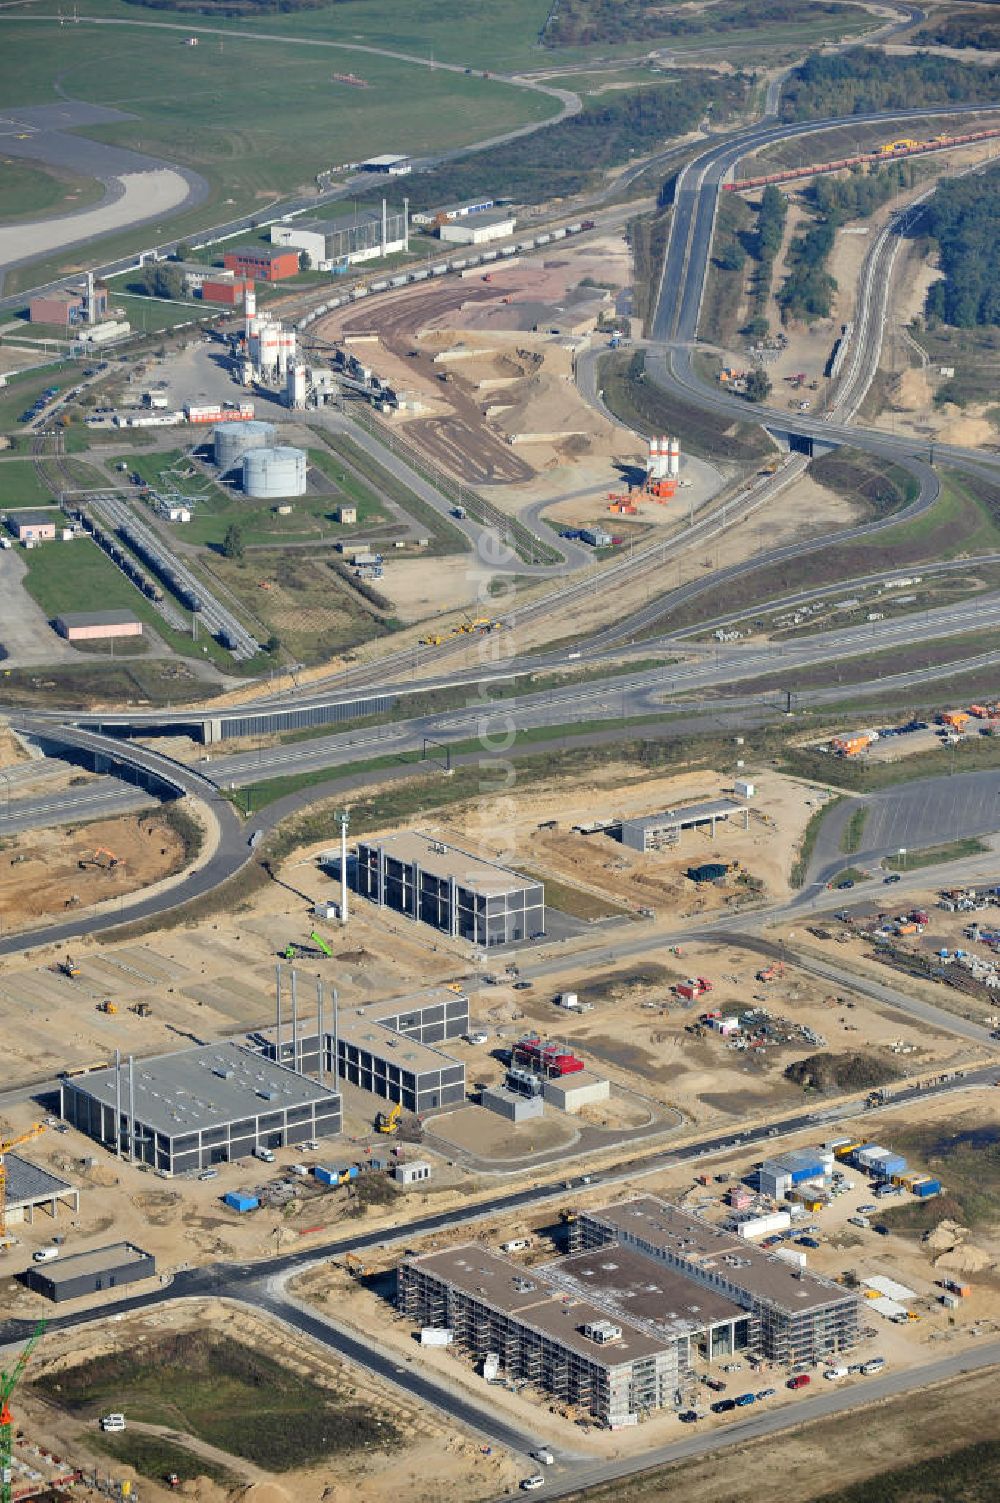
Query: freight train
[[891, 151]]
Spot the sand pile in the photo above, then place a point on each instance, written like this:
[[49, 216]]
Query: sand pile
[[912, 390], [954, 1253]]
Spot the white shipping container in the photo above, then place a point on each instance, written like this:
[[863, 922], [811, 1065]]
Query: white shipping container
[[764, 1226], [792, 1255], [432, 1336]]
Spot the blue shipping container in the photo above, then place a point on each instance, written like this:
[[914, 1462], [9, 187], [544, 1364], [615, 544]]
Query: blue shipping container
[[807, 1171], [929, 1187], [326, 1176], [239, 1200], [886, 1168]]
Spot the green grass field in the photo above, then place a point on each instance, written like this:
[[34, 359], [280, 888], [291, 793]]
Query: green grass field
[[30, 191], [936, 855], [155, 1457], [22, 389], [207, 1386], [21, 486]]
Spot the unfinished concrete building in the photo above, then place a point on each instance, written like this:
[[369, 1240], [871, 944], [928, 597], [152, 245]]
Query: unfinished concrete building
[[453, 891], [797, 1316], [569, 1348]]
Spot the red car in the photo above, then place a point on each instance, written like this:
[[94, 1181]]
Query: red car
[[799, 1381]]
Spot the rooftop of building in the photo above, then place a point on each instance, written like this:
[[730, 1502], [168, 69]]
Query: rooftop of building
[[413, 847], [32, 518], [99, 618], [347, 221], [527, 1296], [629, 1286], [28, 1183], [715, 1249], [204, 1087], [200, 268], [717, 808], [411, 1002], [387, 159], [257, 251], [98, 1260], [488, 216], [358, 1028]]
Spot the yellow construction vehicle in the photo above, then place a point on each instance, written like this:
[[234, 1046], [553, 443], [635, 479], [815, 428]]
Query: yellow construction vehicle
[[431, 640], [355, 1266], [108, 1006], [389, 1122], [567, 1216], [68, 967]]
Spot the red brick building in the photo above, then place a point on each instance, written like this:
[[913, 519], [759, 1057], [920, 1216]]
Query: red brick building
[[228, 293], [262, 263]]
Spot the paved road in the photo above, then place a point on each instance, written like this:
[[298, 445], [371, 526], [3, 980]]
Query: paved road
[[103, 799]]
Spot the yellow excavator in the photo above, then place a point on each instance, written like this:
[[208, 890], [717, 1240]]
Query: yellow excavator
[[389, 1122]]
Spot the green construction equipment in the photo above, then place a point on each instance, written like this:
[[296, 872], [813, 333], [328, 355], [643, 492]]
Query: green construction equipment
[[321, 944], [289, 952], [8, 1382]]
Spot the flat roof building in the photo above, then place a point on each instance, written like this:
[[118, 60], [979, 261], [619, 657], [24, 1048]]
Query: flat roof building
[[567, 1347], [389, 162], [90, 626], [363, 236], [652, 831], [34, 526], [453, 211], [198, 1107], [478, 229], [798, 1316], [386, 1048], [68, 305], [31, 1188], [103, 1269], [262, 263], [450, 889]]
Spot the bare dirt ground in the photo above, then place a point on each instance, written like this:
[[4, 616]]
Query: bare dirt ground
[[40, 869], [11, 750], [433, 1455]]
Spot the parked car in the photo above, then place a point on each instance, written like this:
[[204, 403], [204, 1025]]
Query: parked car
[[767, 1393], [744, 1399], [723, 1406], [892, 877], [807, 1242], [801, 1380], [688, 1416], [529, 1484]]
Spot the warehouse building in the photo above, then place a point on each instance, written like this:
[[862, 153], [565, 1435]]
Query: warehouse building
[[782, 1175], [196, 274], [97, 626], [31, 1188], [33, 526], [389, 164], [478, 229], [428, 218], [797, 1316], [364, 236], [198, 1107], [262, 263], [610, 1369], [653, 831], [453, 891], [95, 1272], [571, 1093]]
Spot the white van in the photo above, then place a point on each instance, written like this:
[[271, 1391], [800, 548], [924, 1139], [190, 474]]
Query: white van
[[113, 1423], [264, 1154], [516, 1244], [45, 1254], [835, 1372]]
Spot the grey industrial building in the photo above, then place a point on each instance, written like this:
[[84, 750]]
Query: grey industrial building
[[386, 1048], [455, 892], [90, 1272], [796, 1316], [362, 236], [31, 1188], [610, 1335], [652, 831], [201, 1106]]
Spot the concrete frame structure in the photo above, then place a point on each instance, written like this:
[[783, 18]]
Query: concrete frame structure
[[31, 1188], [453, 891], [655, 830], [798, 1316], [385, 1049], [198, 1107], [613, 1336], [104, 1268]]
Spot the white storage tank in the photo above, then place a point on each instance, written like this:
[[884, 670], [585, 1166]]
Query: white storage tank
[[231, 441], [274, 472]]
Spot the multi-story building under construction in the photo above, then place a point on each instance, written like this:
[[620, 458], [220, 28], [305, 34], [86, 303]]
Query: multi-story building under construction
[[599, 1334], [797, 1316]]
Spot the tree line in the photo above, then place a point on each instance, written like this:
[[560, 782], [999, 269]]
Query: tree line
[[864, 79], [967, 28], [964, 218], [584, 23]]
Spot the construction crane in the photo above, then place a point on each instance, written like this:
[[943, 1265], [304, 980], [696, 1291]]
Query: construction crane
[[390, 1123], [8, 1382], [5, 1147]]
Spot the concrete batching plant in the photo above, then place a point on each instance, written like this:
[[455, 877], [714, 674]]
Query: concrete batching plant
[[664, 458], [269, 345], [278, 472]]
